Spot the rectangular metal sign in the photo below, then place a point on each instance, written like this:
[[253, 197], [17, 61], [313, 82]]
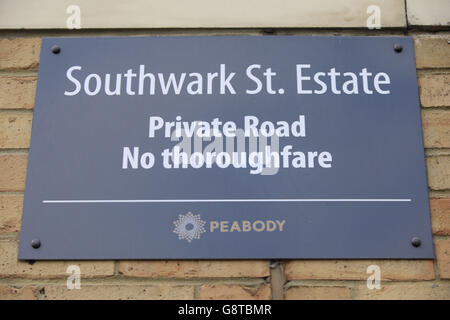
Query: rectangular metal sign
[[226, 148]]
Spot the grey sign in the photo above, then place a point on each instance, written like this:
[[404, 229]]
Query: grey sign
[[226, 148]]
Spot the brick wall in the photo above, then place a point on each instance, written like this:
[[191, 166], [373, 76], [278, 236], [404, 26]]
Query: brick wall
[[300, 279]]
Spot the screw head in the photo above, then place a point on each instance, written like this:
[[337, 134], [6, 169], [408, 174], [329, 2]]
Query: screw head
[[398, 48], [35, 243], [56, 49], [268, 31], [416, 242], [274, 264]]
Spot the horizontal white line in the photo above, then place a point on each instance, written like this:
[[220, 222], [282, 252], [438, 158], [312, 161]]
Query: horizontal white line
[[224, 200]]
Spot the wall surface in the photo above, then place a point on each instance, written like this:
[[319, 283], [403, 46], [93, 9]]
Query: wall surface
[[300, 279]]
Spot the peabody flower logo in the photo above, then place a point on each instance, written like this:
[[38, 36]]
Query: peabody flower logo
[[189, 226]]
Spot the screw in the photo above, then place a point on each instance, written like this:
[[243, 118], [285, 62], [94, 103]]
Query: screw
[[56, 49], [398, 48], [416, 242], [35, 243], [274, 264], [268, 31]]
